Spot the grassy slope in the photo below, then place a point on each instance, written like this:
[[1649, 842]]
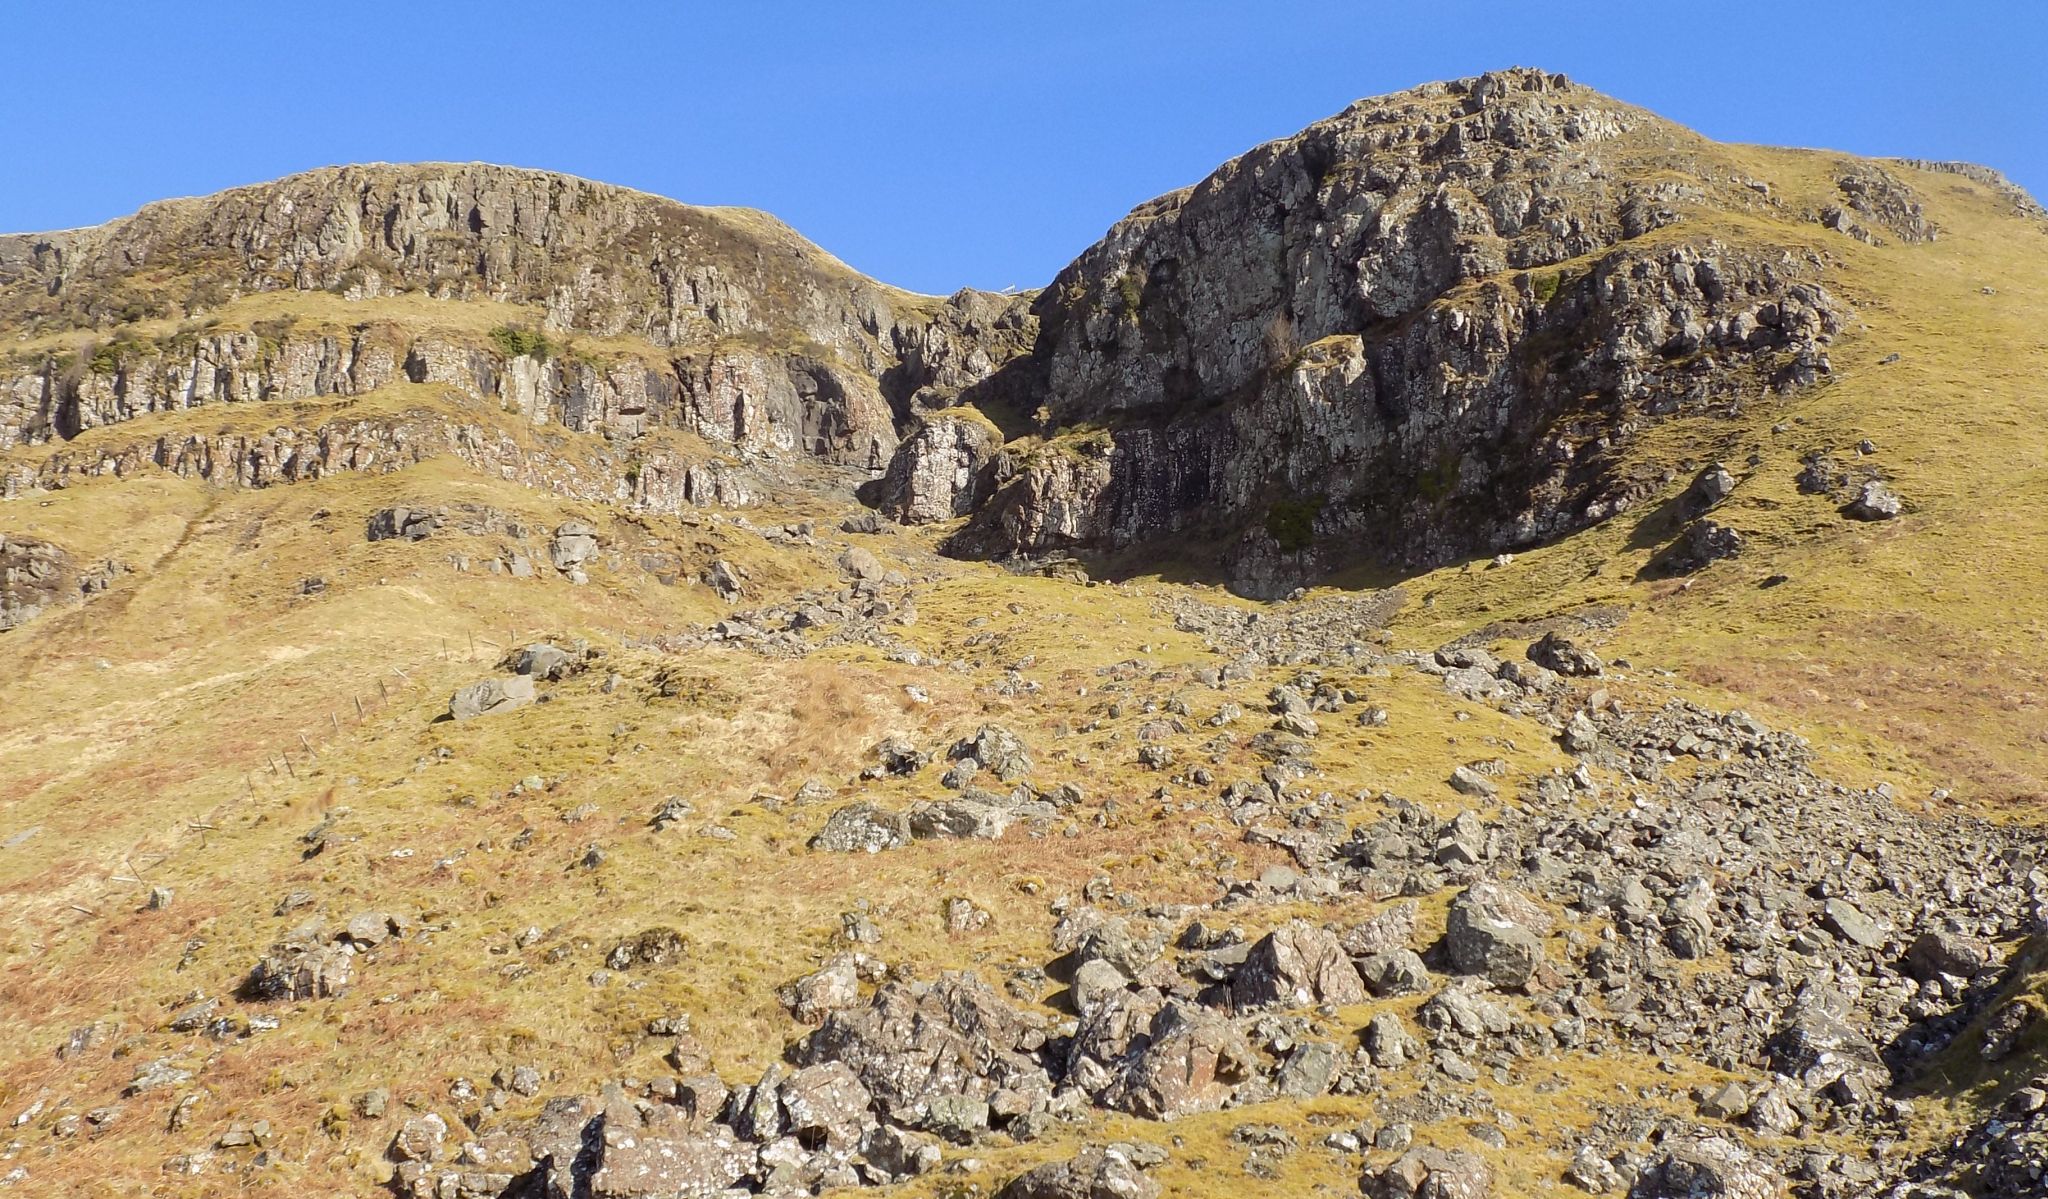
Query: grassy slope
[[1915, 649], [1910, 650]]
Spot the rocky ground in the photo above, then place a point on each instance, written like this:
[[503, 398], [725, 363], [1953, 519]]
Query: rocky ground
[[507, 699]]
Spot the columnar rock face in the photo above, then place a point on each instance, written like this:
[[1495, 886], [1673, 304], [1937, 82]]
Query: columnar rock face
[[1412, 331]]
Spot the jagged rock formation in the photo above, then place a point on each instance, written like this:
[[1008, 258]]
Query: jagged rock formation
[[754, 338], [1415, 330]]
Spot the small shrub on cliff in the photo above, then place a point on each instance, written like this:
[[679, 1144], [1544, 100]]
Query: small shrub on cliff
[[513, 341], [1131, 290]]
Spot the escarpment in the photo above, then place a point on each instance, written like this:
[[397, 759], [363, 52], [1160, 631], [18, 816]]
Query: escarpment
[[1428, 328], [619, 312], [1418, 330]]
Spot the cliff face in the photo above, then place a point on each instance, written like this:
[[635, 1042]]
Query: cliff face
[[722, 322], [1428, 327], [1414, 331], [600, 259]]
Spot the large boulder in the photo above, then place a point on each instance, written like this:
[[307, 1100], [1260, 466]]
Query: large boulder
[[1295, 966], [1875, 501], [544, 661], [826, 1106], [997, 750], [490, 697], [660, 1150], [1817, 1042], [32, 577], [402, 524], [575, 543], [1430, 1173], [294, 971], [862, 827], [1190, 1060], [1094, 1173], [816, 995], [860, 565], [1496, 934], [1708, 1168], [1555, 651], [965, 816]]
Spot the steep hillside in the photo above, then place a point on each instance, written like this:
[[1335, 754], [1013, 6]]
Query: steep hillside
[[471, 732]]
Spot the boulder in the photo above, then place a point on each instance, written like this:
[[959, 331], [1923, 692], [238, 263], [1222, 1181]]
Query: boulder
[[1094, 1173], [954, 1036], [858, 564], [296, 971], [1817, 1044], [1429, 1173], [1942, 951], [997, 750], [1296, 966], [816, 995], [1704, 543], [964, 816], [1557, 652], [419, 1139], [491, 697], [825, 1106], [1394, 973], [1495, 933], [1389, 1043], [33, 576], [544, 661], [1467, 781], [402, 524], [899, 1153], [1708, 1168], [1710, 487], [726, 579], [1875, 501], [861, 827], [1193, 1060], [575, 543], [659, 1150], [1847, 921], [1391, 928]]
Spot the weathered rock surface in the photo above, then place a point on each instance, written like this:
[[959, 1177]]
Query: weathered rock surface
[[33, 576], [1355, 336], [1297, 966], [491, 697], [1096, 1172]]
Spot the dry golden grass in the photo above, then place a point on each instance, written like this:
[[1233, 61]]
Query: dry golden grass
[[1911, 651]]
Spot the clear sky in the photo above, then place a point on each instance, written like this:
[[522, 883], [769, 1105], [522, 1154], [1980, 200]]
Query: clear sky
[[935, 143]]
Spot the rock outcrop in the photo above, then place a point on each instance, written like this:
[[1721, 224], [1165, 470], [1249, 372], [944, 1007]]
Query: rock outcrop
[[756, 338], [1417, 330]]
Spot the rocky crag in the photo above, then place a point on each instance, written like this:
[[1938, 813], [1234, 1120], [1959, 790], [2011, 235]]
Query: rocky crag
[[1419, 330], [1424, 329], [720, 322]]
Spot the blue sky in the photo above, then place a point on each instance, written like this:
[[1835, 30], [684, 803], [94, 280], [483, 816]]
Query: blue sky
[[934, 144]]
